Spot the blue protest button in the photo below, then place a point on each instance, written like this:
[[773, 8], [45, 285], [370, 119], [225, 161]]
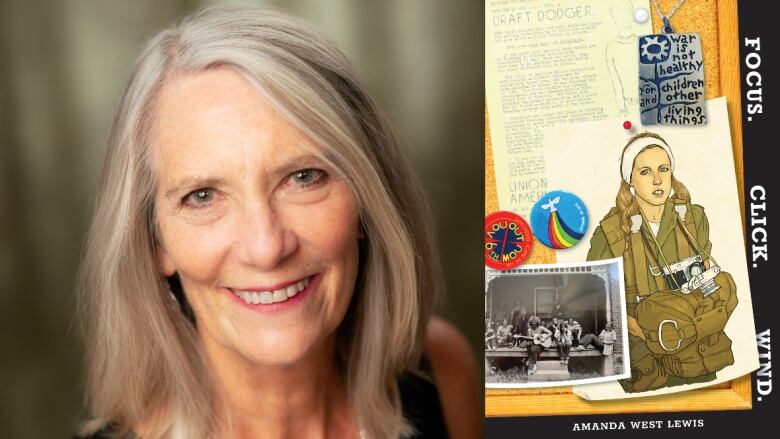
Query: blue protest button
[[559, 219]]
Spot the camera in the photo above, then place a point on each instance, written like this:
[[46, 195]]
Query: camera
[[690, 274]]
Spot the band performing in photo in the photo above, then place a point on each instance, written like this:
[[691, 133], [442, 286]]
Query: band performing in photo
[[549, 325]]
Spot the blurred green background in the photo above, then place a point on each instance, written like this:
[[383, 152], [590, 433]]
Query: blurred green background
[[62, 64]]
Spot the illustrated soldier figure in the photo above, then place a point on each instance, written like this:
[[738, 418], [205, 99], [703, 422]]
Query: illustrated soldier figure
[[675, 337]]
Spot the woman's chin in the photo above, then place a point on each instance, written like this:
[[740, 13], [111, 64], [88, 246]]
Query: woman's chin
[[655, 201], [279, 350]]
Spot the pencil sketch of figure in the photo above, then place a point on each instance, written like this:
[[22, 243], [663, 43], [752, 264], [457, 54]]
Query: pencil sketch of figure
[[623, 49]]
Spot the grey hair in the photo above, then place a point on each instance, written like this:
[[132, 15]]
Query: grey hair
[[144, 364]]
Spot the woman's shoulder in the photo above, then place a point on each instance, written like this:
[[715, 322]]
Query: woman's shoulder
[[698, 211], [454, 367], [448, 351], [609, 224]]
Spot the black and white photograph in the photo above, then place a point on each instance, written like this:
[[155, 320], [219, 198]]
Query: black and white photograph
[[554, 325]]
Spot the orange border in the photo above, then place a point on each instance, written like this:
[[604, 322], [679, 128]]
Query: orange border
[[734, 395]]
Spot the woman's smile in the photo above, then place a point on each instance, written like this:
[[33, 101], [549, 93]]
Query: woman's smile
[[264, 298]]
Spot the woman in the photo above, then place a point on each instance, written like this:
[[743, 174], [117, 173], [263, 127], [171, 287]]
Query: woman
[[563, 341], [490, 336], [518, 318], [504, 334], [604, 342], [576, 329], [652, 226], [259, 261], [517, 322]]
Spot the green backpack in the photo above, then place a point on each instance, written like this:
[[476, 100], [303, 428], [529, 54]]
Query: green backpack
[[683, 332]]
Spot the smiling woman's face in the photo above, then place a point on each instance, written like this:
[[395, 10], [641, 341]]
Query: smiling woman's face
[[262, 234], [652, 176]]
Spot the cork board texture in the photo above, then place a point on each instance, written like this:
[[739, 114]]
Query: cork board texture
[[716, 22]]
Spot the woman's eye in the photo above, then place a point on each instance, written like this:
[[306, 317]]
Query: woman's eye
[[644, 171], [308, 177], [199, 197], [664, 169]]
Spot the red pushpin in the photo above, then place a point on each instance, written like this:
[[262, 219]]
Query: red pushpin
[[627, 125]]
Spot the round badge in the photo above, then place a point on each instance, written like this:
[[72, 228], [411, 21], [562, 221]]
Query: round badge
[[559, 219], [508, 240]]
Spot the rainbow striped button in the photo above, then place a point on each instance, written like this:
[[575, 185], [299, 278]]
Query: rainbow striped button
[[559, 219]]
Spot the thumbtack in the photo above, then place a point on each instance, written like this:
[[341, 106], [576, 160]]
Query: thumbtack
[[641, 15]]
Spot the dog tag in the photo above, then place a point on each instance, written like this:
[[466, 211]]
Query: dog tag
[[671, 79]]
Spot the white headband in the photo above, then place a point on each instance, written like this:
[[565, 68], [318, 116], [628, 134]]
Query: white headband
[[629, 155]]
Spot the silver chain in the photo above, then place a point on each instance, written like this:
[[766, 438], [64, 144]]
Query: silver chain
[[661, 14]]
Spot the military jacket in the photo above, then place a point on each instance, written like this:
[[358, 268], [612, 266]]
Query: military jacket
[[608, 237], [644, 255]]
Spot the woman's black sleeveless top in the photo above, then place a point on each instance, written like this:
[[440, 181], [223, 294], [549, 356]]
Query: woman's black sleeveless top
[[419, 398]]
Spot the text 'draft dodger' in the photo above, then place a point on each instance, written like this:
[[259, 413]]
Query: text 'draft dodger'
[[671, 80]]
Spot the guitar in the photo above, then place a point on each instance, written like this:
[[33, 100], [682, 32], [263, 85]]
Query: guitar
[[543, 339]]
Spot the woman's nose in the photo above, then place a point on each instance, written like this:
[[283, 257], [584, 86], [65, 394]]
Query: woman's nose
[[265, 242], [656, 178]]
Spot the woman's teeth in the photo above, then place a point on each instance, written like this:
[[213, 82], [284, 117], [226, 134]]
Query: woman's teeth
[[269, 297]]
